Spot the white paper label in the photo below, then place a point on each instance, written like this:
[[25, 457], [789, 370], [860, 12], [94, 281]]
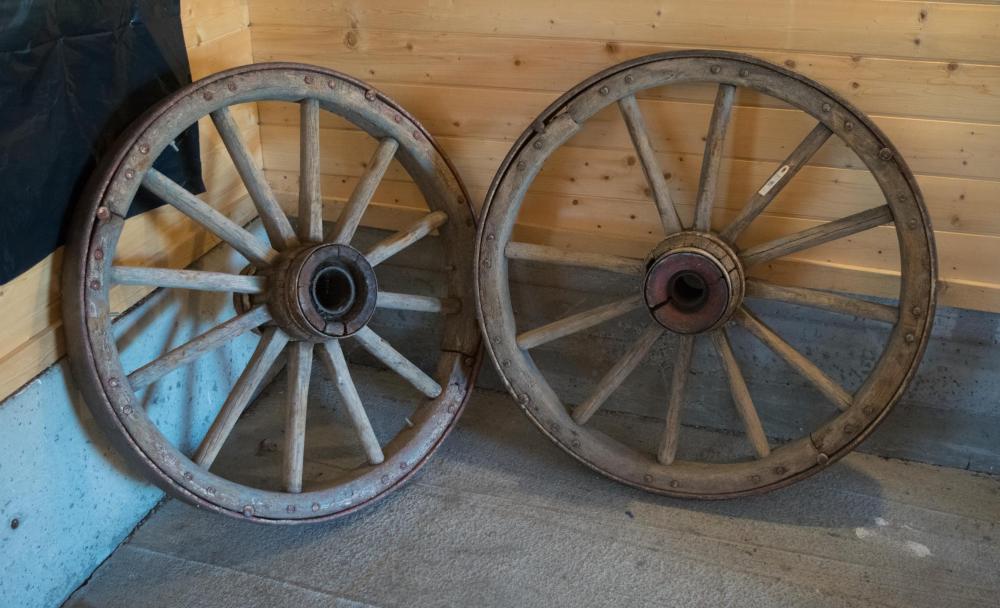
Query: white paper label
[[780, 173]]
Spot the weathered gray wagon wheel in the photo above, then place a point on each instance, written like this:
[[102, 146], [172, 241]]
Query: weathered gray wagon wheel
[[694, 281], [303, 294]]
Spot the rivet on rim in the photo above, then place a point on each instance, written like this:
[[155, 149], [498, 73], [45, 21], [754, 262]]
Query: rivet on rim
[[521, 165], [537, 144], [780, 470], [822, 458], [396, 118], [231, 85], [604, 90], [629, 78], [207, 95], [385, 480], [113, 382], [744, 73], [308, 79], [98, 254], [95, 284], [315, 507], [910, 338], [127, 410], [290, 509], [143, 148], [827, 107], [674, 483], [188, 476], [885, 154], [647, 478], [129, 173], [715, 69], [332, 84], [523, 398], [917, 311], [912, 222], [370, 94], [848, 126], [248, 511], [103, 213]]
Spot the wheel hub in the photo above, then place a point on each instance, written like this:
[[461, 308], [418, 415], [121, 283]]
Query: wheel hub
[[693, 283], [322, 292]]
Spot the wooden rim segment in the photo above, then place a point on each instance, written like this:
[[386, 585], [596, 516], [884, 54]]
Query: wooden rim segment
[[316, 286], [774, 465]]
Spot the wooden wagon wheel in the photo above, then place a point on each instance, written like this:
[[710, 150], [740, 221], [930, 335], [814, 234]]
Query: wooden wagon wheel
[[304, 293], [693, 283]]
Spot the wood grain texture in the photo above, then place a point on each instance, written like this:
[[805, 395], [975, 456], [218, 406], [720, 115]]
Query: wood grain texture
[[887, 28], [937, 98]]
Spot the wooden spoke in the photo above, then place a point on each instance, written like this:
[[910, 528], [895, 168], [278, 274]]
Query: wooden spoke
[[271, 344], [384, 352], [220, 225], [299, 369], [206, 342], [636, 125], [756, 288], [333, 356], [678, 380], [406, 301], [350, 217], [279, 230], [826, 385], [577, 322], [563, 257], [741, 395], [817, 235], [404, 238], [712, 161], [614, 378], [310, 196], [767, 193], [186, 279]]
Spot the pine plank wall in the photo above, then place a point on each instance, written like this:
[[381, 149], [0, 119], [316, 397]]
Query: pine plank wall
[[476, 72]]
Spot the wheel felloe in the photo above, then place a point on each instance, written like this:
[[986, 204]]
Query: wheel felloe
[[302, 294], [694, 282]]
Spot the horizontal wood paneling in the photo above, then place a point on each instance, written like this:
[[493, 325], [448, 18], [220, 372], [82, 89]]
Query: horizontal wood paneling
[[217, 36], [476, 73], [952, 89], [888, 28]]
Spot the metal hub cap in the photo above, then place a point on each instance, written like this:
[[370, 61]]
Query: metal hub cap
[[324, 291], [693, 283]]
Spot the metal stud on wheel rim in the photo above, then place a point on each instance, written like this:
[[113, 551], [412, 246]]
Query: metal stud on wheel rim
[[307, 291], [694, 281]]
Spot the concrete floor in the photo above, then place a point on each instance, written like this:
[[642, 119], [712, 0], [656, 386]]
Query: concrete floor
[[501, 517]]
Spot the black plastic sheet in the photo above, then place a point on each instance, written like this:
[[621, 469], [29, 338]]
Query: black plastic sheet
[[73, 75]]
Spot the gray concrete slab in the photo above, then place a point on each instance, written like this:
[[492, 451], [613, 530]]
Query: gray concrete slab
[[501, 517]]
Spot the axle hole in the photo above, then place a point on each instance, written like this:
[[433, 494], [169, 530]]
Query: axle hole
[[688, 291], [333, 290]]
